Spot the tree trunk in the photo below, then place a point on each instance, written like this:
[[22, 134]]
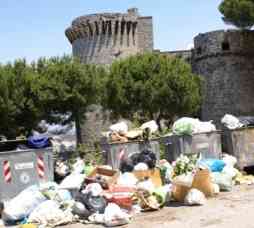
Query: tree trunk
[[158, 121], [78, 128]]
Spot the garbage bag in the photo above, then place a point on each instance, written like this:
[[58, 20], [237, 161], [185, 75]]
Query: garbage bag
[[95, 189], [49, 214], [95, 204], [247, 121], [38, 142], [231, 122], [184, 126], [224, 181], [114, 216], [214, 165], [146, 185], [141, 167], [73, 181], [189, 126], [127, 165], [81, 210], [229, 160], [78, 166], [147, 157], [23, 204], [195, 197], [151, 125], [127, 179], [121, 128]]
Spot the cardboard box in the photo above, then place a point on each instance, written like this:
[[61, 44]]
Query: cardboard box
[[110, 176], [154, 175], [202, 181]]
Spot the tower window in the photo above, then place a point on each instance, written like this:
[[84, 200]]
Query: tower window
[[225, 46]]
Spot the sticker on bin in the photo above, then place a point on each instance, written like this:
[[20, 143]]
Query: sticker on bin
[[24, 178], [28, 165]]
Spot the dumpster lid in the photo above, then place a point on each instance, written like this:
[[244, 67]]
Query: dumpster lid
[[9, 145]]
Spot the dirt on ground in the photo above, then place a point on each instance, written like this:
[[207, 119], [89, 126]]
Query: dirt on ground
[[234, 209]]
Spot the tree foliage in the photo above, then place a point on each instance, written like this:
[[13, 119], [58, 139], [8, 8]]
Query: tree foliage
[[46, 89], [68, 87], [239, 13], [153, 85], [19, 105]]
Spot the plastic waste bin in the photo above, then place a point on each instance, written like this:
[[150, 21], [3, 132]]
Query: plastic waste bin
[[114, 152], [208, 145], [20, 169], [240, 143]]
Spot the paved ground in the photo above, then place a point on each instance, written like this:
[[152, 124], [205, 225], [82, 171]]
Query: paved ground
[[234, 210]]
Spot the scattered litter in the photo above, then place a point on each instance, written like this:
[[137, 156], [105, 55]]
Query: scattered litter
[[195, 197], [23, 204]]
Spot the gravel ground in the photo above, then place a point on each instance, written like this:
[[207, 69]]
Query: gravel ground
[[234, 210]]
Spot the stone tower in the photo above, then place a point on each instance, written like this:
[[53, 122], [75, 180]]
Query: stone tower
[[102, 38], [226, 61]]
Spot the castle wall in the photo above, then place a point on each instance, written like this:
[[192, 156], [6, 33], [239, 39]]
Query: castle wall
[[225, 60], [101, 39]]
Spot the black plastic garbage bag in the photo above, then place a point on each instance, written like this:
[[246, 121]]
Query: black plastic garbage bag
[[81, 210], [92, 203], [247, 121], [147, 157]]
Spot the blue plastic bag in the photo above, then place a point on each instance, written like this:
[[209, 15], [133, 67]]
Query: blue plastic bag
[[38, 142], [214, 165]]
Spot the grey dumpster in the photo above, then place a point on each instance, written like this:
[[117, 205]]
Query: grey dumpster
[[113, 152], [206, 144], [23, 168], [240, 143]]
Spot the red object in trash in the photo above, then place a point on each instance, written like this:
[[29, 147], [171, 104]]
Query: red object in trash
[[122, 201], [122, 196]]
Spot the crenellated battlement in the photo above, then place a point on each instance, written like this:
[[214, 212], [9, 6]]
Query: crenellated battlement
[[100, 38]]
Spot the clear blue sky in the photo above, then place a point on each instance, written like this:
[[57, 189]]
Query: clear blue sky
[[34, 28]]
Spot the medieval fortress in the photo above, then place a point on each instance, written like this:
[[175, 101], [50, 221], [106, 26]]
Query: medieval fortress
[[223, 58], [102, 38]]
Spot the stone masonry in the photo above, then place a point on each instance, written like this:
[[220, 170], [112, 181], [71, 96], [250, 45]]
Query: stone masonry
[[225, 60], [101, 39]]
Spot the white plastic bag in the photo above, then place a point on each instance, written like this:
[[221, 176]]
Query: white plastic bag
[[49, 214], [78, 166], [114, 216], [146, 185], [127, 179], [202, 127], [229, 160], [23, 204], [95, 189], [184, 180], [73, 181], [121, 128], [231, 122], [141, 167], [195, 197], [152, 125]]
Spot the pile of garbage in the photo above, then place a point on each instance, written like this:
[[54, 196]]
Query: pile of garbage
[[120, 132], [233, 122], [101, 195]]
